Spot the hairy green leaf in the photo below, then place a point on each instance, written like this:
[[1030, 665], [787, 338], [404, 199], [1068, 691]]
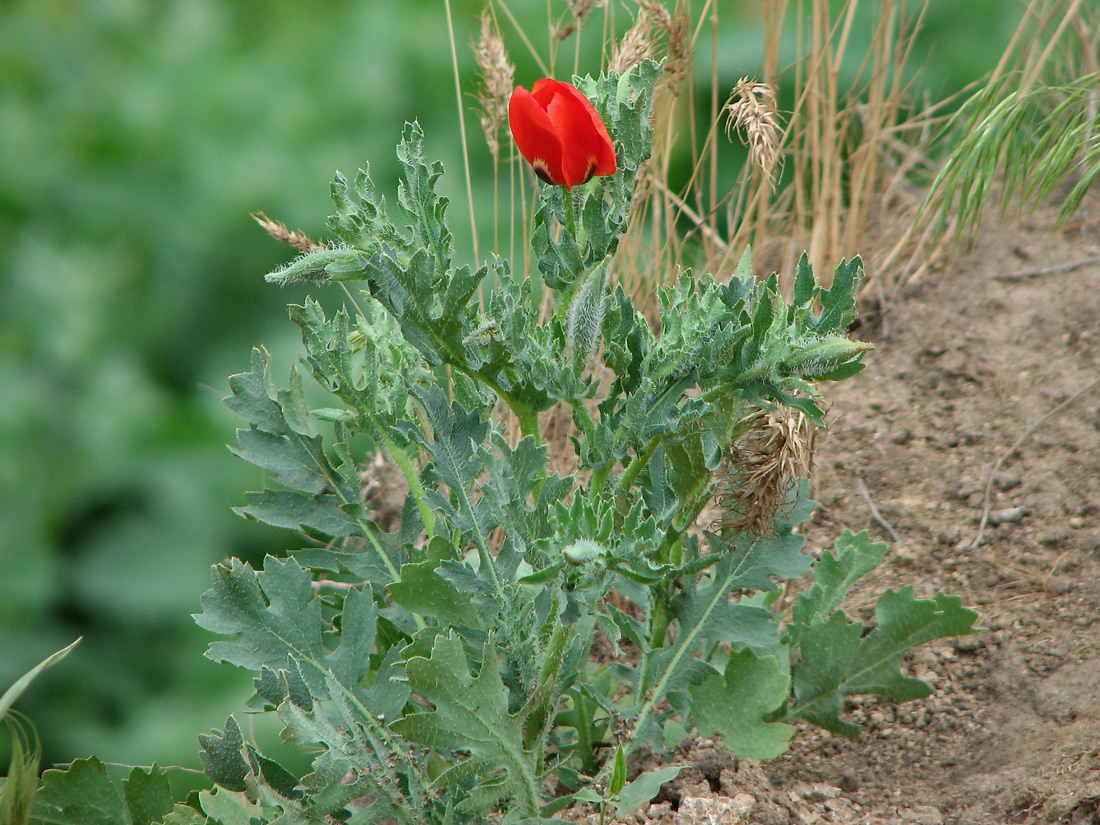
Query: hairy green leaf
[[643, 788], [223, 758], [854, 555], [471, 715], [738, 703]]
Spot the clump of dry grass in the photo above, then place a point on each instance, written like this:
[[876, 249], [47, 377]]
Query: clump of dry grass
[[636, 45], [1029, 131]]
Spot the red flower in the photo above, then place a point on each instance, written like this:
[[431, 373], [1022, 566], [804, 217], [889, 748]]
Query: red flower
[[560, 133]]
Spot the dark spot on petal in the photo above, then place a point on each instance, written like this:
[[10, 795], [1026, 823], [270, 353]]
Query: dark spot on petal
[[591, 170], [542, 170]]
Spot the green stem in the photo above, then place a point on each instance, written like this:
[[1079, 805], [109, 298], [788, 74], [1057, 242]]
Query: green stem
[[636, 465], [570, 218], [598, 482], [528, 419], [565, 296], [661, 617], [538, 708], [584, 734], [526, 415], [583, 418], [412, 478]]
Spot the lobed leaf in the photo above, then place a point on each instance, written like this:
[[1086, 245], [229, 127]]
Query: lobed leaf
[[838, 660], [854, 555], [470, 715], [84, 794]]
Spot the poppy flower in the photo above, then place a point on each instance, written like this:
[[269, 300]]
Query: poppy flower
[[560, 133]]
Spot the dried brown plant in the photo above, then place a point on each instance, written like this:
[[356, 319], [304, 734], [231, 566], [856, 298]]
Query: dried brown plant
[[582, 8], [636, 45], [761, 472]]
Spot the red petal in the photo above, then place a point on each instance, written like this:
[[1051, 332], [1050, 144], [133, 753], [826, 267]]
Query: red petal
[[587, 149], [536, 136]]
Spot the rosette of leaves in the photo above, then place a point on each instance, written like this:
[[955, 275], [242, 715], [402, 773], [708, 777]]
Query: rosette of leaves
[[442, 669]]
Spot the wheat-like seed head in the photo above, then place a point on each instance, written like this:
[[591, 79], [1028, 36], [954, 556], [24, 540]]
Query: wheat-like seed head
[[677, 31], [497, 79], [278, 230], [657, 12], [751, 110], [636, 45]]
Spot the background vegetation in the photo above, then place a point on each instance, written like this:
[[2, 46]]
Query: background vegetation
[[135, 139]]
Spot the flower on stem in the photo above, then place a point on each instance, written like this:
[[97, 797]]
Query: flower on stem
[[560, 133]]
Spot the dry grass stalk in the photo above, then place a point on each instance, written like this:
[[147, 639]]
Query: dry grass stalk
[[278, 230], [679, 48], [653, 246], [579, 9], [752, 111], [762, 470], [834, 139], [497, 81]]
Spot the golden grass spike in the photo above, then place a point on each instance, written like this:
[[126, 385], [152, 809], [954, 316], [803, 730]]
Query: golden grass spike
[[582, 8], [636, 45], [497, 81], [278, 230]]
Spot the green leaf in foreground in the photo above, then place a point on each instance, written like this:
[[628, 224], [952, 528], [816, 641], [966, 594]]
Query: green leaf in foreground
[[854, 555], [471, 715], [837, 660], [644, 788], [85, 795], [24, 681], [17, 790], [271, 616]]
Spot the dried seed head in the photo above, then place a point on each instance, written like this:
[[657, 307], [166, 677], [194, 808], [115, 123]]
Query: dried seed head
[[563, 32], [278, 230], [751, 110], [636, 45], [657, 12], [763, 469], [582, 8], [676, 29], [679, 48], [497, 80]]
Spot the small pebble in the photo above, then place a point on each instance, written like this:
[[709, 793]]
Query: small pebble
[[969, 644], [1009, 515], [1059, 585]]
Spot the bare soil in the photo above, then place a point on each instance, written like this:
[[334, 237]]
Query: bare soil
[[975, 382]]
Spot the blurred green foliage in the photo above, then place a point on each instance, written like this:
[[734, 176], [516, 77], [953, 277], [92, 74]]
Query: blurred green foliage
[[136, 136]]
